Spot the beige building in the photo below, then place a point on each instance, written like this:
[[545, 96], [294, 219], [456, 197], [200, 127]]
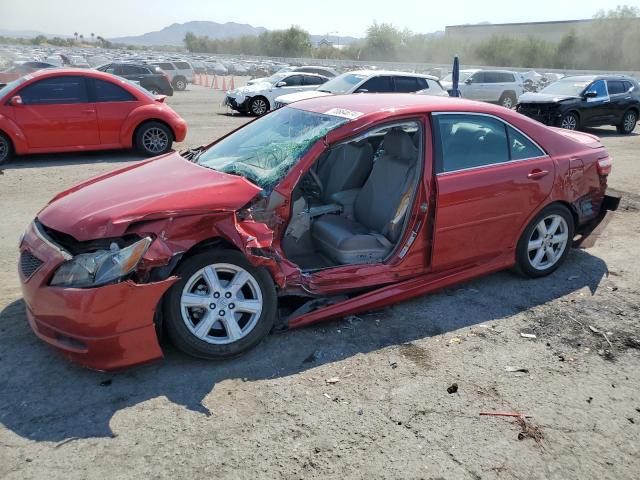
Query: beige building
[[550, 31]]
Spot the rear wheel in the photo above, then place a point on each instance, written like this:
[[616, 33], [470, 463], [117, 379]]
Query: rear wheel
[[6, 149], [546, 241], [180, 84], [221, 306], [508, 100], [258, 106], [153, 138], [570, 121], [628, 123]]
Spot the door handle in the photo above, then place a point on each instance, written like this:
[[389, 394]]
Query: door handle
[[537, 174]]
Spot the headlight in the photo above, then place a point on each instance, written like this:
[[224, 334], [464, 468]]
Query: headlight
[[97, 268]]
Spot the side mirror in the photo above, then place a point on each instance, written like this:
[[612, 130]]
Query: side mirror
[[468, 81], [15, 101], [590, 94], [281, 84]]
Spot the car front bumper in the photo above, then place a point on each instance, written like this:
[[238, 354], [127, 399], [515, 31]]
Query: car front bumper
[[545, 115], [235, 105], [102, 328]]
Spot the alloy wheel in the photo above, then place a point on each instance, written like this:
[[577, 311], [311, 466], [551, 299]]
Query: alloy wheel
[[155, 140], [507, 102], [629, 121], [570, 122], [259, 106], [548, 242], [180, 85], [221, 303]]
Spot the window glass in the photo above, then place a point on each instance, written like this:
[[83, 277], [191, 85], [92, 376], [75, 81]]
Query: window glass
[[468, 141], [294, 80], [165, 66], [600, 88], [110, 92], [57, 90], [616, 87], [506, 77], [183, 65], [478, 77], [133, 70], [377, 85], [109, 68], [423, 84], [627, 86], [406, 84], [314, 80], [521, 147]]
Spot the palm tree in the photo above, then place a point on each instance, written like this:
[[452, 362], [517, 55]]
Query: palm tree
[[75, 34], [92, 36], [81, 37]]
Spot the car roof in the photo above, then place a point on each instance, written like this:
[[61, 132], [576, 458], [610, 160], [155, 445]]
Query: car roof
[[56, 72], [391, 72]]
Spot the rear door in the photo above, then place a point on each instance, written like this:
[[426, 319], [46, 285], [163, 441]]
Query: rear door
[[56, 112], [620, 99], [379, 84], [113, 105], [490, 178]]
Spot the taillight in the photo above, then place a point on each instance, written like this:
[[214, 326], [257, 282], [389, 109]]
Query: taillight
[[604, 165]]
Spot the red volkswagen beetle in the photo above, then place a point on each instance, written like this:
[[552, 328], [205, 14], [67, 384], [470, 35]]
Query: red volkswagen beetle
[[318, 210], [71, 110]]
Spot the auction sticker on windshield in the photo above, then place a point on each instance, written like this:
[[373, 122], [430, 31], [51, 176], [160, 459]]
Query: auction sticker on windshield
[[344, 113]]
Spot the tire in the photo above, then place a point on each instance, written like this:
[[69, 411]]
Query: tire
[[6, 149], [226, 334], [508, 100], [153, 138], [570, 121], [258, 106], [539, 254], [180, 83], [628, 124]]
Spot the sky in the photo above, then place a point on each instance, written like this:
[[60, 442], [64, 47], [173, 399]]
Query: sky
[[113, 18]]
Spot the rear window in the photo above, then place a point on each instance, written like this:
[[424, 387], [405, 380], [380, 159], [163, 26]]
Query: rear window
[[377, 85], [182, 65], [406, 84], [616, 87]]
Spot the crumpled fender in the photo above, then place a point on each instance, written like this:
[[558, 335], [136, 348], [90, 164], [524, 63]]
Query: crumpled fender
[[14, 132]]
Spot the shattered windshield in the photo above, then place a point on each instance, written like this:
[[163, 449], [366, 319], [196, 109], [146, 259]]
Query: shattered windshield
[[265, 150], [569, 87]]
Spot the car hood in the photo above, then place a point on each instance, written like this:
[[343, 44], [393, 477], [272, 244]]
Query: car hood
[[163, 187], [295, 97], [249, 89], [531, 97]]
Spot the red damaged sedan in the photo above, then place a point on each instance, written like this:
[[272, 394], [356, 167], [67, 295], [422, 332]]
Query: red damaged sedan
[[318, 210], [74, 110]]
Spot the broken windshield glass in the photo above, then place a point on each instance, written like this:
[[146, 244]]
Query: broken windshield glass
[[265, 150]]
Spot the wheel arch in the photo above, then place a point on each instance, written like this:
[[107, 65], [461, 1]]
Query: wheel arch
[[147, 120], [572, 209]]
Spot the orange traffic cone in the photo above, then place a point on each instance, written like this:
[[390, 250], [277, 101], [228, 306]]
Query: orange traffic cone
[[232, 84], [224, 84], [214, 84]]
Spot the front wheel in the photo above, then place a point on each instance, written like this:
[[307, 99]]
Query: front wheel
[[570, 121], [153, 138], [628, 123], [546, 241], [508, 100], [180, 84], [258, 106], [221, 306]]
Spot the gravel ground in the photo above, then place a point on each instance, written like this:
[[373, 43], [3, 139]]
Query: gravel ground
[[272, 414]]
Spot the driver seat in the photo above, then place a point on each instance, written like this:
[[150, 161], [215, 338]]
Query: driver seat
[[345, 168], [379, 208]]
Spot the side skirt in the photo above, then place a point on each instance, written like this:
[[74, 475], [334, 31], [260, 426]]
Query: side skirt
[[398, 292]]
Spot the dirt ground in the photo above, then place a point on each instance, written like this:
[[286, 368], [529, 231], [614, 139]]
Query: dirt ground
[[272, 414]]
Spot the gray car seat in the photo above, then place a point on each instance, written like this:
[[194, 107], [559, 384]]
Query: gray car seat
[[380, 208], [345, 168]]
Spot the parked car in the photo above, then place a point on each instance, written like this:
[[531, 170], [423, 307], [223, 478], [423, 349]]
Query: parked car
[[447, 80], [495, 86], [148, 76], [586, 101], [18, 70], [73, 110], [370, 81], [180, 73], [330, 208], [323, 71], [258, 98]]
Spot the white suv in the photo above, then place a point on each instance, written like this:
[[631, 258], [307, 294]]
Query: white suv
[[496, 86], [371, 81], [258, 98], [180, 73]]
